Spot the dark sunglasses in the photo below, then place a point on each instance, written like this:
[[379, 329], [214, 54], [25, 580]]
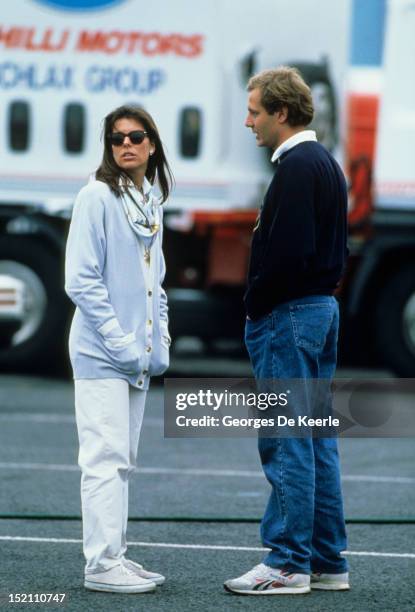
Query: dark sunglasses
[[136, 137]]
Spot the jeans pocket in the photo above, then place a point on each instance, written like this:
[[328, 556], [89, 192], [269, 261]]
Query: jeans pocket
[[255, 329], [311, 324]]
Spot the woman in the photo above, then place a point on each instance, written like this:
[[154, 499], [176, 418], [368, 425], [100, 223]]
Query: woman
[[119, 335]]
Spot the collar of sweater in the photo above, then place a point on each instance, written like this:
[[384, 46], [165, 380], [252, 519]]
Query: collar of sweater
[[303, 136]]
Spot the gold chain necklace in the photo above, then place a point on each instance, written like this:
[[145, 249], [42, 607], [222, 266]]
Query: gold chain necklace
[[147, 254]]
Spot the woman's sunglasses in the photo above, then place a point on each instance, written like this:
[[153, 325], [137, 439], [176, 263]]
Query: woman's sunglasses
[[136, 137]]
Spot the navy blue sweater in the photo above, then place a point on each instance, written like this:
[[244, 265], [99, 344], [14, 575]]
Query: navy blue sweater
[[299, 245]]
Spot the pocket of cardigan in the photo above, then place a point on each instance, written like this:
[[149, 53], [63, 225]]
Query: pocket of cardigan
[[124, 353]]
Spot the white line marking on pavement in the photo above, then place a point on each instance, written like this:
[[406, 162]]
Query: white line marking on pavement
[[37, 417], [48, 467], [61, 467], [378, 554], [196, 546], [46, 540], [368, 478], [56, 418]]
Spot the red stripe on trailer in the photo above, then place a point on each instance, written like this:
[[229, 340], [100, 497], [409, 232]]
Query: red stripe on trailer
[[361, 130]]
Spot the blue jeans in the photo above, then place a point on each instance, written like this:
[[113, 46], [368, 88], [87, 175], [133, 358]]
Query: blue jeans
[[303, 524]]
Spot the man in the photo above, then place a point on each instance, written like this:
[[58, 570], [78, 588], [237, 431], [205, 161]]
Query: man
[[297, 257]]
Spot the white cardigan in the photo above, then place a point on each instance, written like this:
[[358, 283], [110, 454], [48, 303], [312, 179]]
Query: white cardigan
[[120, 326]]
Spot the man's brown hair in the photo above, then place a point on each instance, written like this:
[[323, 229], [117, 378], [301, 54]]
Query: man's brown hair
[[284, 86]]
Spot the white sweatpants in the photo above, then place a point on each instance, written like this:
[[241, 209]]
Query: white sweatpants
[[109, 415]]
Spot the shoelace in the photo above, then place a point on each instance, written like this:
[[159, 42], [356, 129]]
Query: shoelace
[[132, 564], [126, 571], [266, 573], [261, 568]]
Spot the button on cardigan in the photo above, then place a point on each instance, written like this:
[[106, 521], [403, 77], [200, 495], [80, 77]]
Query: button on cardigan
[[120, 326]]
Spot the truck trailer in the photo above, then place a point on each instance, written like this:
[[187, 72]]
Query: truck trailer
[[64, 65]]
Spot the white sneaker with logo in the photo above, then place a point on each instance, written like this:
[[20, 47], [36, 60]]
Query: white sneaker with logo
[[143, 573], [118, 579], [330, 582], [265, 580]]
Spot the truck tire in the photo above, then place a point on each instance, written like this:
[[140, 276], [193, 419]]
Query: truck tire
[[40, 331], [395, 322]]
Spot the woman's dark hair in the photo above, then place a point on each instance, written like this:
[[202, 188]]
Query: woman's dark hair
[[158, 167]]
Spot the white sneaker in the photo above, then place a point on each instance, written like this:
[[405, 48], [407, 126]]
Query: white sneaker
[[118, 579], [265, 580], [143, 573], [330, 582]]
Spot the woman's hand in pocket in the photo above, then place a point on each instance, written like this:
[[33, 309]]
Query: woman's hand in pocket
[[124, 352]]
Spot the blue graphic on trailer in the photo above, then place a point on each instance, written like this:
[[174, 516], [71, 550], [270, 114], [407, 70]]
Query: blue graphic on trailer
[[368, 31], [79, 5]]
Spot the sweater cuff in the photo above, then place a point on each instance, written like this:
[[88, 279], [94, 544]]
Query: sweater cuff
[[111, 329], [164, 331], [119, 343]]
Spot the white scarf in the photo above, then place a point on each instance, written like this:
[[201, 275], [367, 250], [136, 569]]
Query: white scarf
[[142, 209]]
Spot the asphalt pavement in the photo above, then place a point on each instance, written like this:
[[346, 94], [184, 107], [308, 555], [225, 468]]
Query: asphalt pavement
[[186, 499]]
